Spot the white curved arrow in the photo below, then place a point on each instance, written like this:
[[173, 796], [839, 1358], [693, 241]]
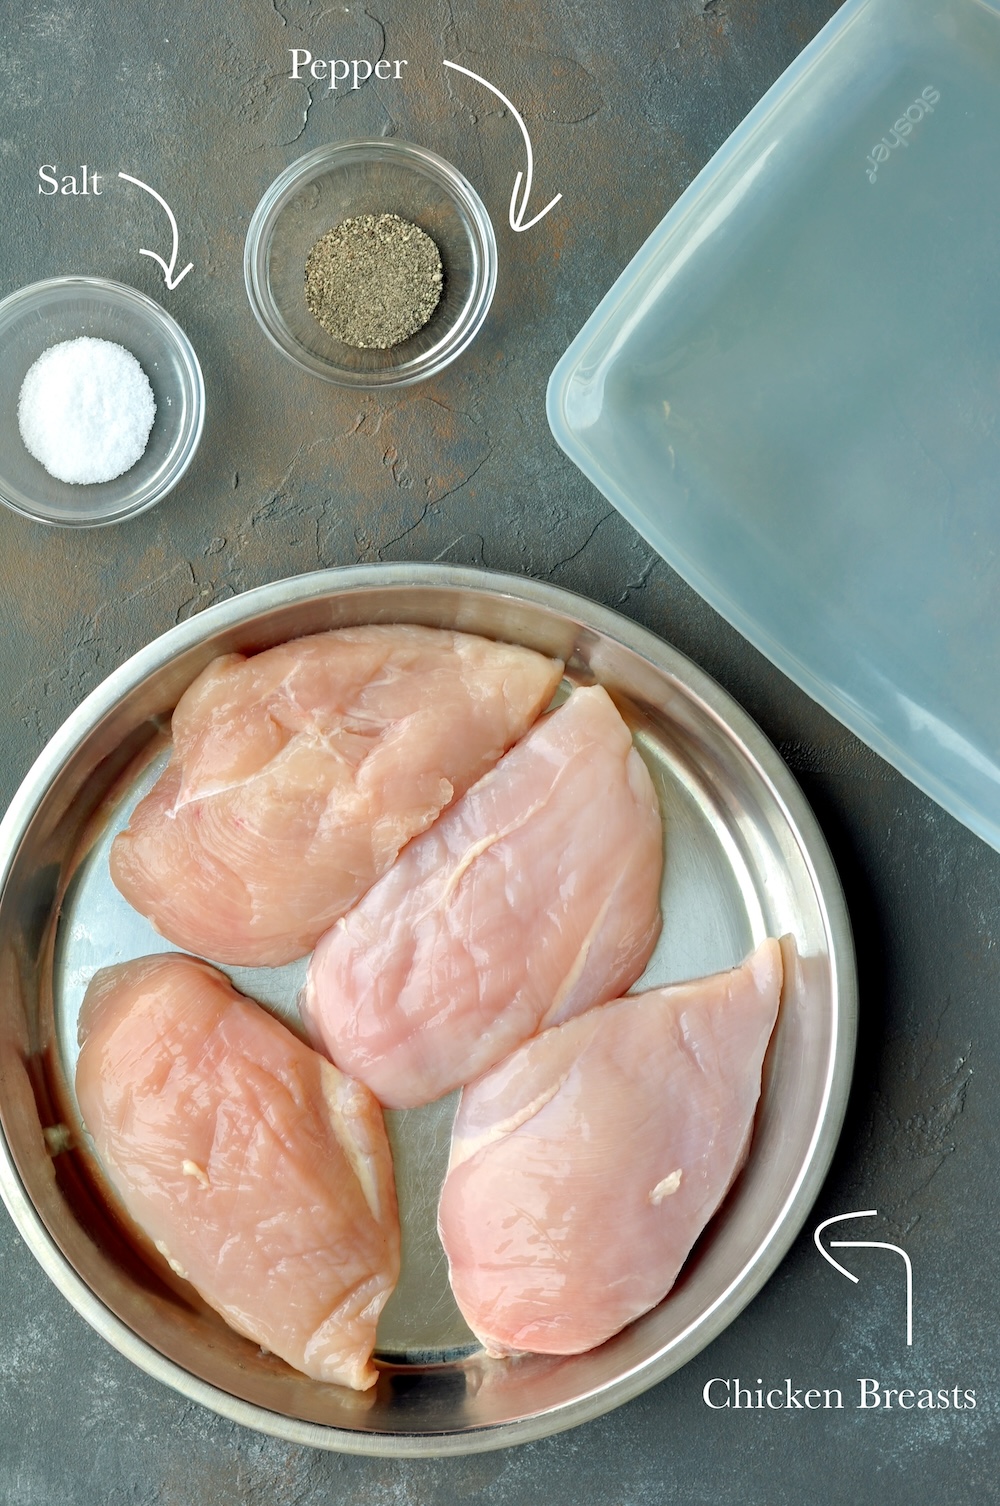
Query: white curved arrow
[[168, 267], [516, 215], [865, 1244]]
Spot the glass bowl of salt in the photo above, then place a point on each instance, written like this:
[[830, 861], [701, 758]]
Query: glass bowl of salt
[[371, 263], [102, 402]]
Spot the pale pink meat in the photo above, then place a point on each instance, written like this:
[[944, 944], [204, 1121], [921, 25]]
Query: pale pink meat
[[533, 898], [299, 773], [585, 1166], [261, 1173]]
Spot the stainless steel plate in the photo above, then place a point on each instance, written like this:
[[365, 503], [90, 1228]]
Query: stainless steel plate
[[744, 859]]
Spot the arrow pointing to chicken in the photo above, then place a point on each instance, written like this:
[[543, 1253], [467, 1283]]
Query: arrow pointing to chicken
[[517, 210], [865, 1244], [168, 267]]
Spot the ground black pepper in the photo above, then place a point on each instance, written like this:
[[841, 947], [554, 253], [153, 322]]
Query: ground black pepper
[[373, 280]]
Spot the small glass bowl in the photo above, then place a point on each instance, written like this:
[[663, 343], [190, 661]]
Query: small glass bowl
[[64, 308], [369, 177]]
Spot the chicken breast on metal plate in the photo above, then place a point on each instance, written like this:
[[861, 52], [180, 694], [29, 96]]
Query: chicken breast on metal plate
[[534, 897], [585, 1166], [261, 1173], [299, 773]]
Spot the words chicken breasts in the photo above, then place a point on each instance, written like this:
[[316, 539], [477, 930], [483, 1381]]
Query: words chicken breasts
[[586, 1164], [298, 774], [259, 1171], [534, 897]]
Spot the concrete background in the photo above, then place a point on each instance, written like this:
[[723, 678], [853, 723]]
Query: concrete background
[[625, 102]]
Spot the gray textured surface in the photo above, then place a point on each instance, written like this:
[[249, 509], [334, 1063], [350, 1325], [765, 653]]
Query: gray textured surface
[[625, 103]]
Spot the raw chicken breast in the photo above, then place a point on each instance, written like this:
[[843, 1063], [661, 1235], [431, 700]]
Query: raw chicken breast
[[260, 1172], [298, 774], [534, 897], [585, 1166]]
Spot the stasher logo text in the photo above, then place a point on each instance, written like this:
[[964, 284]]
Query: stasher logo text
[[897, 136]]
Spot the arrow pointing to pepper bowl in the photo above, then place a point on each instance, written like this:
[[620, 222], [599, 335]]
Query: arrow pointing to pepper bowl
[[517, 210], [168, 267]]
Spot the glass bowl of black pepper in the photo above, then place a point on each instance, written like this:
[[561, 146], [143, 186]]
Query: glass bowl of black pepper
[[371, 263]]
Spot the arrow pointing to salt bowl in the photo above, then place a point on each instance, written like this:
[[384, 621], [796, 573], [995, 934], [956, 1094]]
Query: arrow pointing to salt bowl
[[168, 267]]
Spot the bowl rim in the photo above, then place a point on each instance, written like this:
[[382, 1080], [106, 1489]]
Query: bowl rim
[[299, 174], [799, 1195], [156, 317]]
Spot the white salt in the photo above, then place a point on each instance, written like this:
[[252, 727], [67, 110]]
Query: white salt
[[85, 410]]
